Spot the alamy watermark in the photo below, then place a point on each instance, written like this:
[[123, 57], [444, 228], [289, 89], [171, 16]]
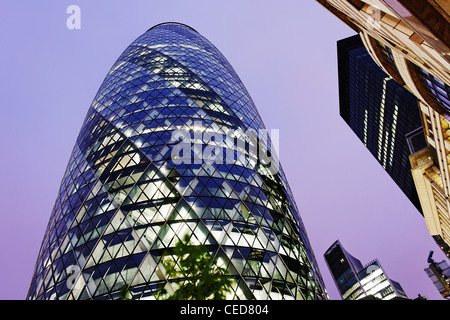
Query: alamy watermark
[[73, 22], [198, 144], [75, 280]]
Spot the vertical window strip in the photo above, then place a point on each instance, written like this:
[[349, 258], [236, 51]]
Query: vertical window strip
[[381, 124], [385, 148], [393, 129], [366, 120]]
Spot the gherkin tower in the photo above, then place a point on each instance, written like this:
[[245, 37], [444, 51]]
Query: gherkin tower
[[172, 147]]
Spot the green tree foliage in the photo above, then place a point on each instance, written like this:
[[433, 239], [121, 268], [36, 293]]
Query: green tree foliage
[[199, 276], [125, 293]]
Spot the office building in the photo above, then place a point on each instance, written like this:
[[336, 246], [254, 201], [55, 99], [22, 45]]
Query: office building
[[356, 281], [167, 151], [381, 113], [439, 274], [410, 41]]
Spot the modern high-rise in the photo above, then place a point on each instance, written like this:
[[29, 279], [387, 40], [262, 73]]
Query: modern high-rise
[[356, 281], [173, 146], [410, 41], [381, 113]]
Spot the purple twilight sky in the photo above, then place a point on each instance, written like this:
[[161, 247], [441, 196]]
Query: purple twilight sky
[[284, 52]]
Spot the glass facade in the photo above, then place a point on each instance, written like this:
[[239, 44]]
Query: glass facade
[[355, 281], [167, 150], [383, 114], [438, 90], [343, 267]]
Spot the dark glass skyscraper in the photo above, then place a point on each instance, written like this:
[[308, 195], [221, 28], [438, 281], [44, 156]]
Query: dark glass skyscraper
[[173, 146], [383, 114]]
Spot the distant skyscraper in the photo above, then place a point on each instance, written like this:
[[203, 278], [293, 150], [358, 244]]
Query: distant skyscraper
[[410, 41], [439, 273], [355, 281], [380, 112], [168, 150]]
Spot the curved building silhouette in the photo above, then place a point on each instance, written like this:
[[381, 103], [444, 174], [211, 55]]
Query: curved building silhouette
[[173, 146]]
